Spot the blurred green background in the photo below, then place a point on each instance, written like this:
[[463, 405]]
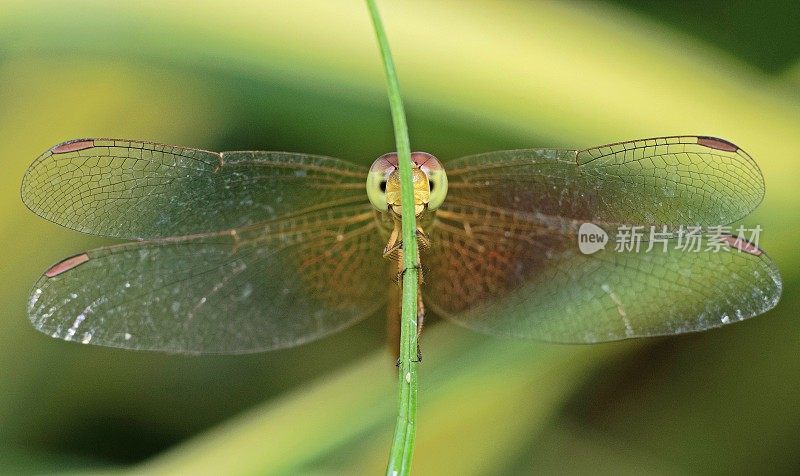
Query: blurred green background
[[305, 76]]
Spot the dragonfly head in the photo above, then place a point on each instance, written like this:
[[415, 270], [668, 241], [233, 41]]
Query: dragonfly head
[[428, 177]]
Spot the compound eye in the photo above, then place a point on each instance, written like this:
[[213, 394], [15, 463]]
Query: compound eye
[[437, 178], [378, 174]]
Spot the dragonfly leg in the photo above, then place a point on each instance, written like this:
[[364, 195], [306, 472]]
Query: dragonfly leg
[[423, 239], [424, 243], [395, 244], [394, 251], [420, 316], [395, 315], [398, 279]]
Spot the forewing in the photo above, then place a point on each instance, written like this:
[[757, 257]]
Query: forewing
[[498, 273], [269, 286], [689, 180], [143, 190], [505, 257]]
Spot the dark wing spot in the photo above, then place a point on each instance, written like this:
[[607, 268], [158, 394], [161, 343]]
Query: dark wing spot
[[66, 265], [715, 143], [72, 146], [742, 245]]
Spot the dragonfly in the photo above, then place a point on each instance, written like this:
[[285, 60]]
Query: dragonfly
[[239, 252]]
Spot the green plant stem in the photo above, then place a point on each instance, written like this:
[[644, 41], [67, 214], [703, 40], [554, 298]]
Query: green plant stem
[[405, 430]]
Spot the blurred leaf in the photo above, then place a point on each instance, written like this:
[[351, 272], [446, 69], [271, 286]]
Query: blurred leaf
[[36, 113], [20, 463], [792, 76], [469, 384], [762, 35]]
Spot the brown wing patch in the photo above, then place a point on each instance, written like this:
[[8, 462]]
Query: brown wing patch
[[66, 265], [718, 144], [742, 245], [72, 146]]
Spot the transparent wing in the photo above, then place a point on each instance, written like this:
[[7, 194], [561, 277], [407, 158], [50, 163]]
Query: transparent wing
[[142, 190], [503, 273], [505, 257], [691, 180], [268, 286]]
